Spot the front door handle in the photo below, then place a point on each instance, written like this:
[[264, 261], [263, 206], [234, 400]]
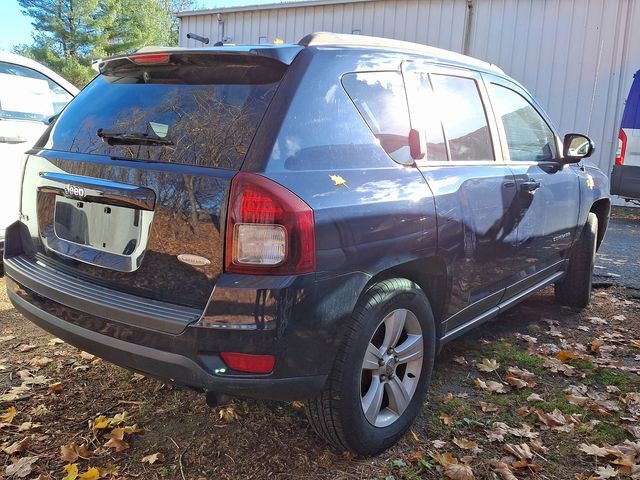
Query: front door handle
[[530, 185], [17, 139]]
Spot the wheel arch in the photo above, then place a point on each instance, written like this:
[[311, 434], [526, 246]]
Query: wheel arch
[[430, 274], [602, 209]]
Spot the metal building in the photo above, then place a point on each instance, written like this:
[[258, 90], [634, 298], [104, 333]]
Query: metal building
[[577, 57]]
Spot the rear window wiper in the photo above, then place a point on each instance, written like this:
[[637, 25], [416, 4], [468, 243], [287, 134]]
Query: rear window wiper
[[122, 138]]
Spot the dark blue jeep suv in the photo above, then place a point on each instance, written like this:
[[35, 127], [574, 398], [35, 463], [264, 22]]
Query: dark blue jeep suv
[[307, 222]]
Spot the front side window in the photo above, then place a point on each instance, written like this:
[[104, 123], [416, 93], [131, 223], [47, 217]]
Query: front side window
[[464, 118], [26, 94], [528, 136], [381, 100]]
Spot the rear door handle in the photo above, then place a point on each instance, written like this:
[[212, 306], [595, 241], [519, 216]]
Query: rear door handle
[[530, 185], [17, 139]]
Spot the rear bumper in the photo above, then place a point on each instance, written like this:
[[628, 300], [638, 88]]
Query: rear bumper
[[174, 367], [296, 319], [625, 181]]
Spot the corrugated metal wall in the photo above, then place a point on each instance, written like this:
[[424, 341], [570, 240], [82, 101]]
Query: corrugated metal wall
[[433, 22], [576, 56]]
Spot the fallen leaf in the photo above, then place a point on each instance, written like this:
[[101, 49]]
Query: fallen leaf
[[438, 443], [633, 430], [591, 449], [504, 471], [55, 341], [55, 388], [415, 456], [71, 453], [6, 338], [446, 419], [460, 360], [488, 365], [24, 426], [521, 452], [119, 418], [92, 473], [14, 394], [488, 407], [596, 344], [465, 444], [7, 417], [605, 472], [457, 471], [15, 447], [564, 355], [228, 414], [116, 440], [72, 472], [130, 429], [490, 386], [515, 382], [298, 405], [40, 362], [445, 459], [24, 348], [39, 411], [87, 356], [537, 446], [22, 467], [534, 397], [153, 458], [101, 422]]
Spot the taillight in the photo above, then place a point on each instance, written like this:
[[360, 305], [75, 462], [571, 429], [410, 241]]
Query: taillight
[[622, 147], [269, 229], [150, 58], [249, 363]]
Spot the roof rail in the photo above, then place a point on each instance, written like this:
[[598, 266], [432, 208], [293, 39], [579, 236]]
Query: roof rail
[[318, 39]]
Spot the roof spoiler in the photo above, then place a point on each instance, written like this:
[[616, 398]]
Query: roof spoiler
[[281, 53]]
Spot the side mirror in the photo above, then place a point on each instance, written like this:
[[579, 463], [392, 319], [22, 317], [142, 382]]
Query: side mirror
[[417, 144], [576, 147]]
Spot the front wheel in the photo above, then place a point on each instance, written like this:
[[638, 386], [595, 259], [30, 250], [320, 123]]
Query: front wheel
[[574, 290], [381, 372]]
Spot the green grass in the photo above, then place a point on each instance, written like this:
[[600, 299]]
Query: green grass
[[609, 376], [606, 432], [509, 355]]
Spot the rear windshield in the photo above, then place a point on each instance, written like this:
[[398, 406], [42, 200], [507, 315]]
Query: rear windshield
[[202, 112]]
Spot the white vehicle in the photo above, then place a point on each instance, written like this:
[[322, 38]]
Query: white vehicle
[[30, 94]]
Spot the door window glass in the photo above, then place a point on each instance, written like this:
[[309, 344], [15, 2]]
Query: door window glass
[[528, 136], [464, 118], [427, 115], [381, 100], [29, 95]]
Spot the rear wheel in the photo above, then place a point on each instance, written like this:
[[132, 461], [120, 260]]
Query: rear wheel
[[574, 290], [381, 372]]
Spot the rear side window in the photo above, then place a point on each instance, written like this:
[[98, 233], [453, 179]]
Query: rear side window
[[381, 100], [26, 94], [427, 114], [202, 111], [528, 136], [464, 118]]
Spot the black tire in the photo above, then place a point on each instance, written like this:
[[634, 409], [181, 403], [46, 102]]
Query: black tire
[[574, 290], [336, 414]]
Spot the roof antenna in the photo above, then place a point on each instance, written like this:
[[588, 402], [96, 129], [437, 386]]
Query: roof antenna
[[204, 40]]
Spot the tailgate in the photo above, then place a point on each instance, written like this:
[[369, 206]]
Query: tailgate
[[127, 227]]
